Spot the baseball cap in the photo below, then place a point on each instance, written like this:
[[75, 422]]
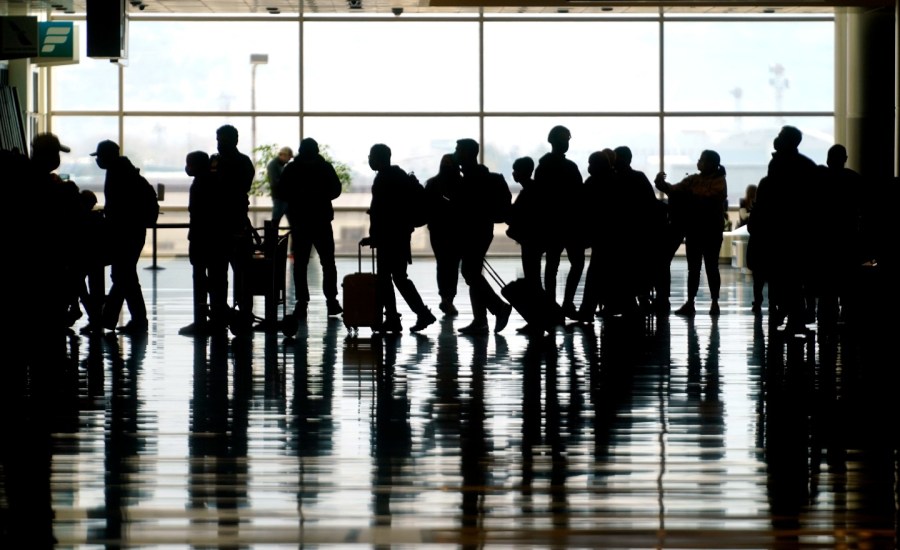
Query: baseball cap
[[106, 148], [48, 142]]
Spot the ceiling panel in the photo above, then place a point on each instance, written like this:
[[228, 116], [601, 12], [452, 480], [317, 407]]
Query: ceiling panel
[[244, 7]]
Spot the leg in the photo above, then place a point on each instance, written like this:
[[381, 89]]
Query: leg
[[301, 248], [551, 268], [324, 243], [711, 263], [576, 263]]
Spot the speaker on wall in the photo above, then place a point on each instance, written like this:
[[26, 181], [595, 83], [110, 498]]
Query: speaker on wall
[[106, 29]]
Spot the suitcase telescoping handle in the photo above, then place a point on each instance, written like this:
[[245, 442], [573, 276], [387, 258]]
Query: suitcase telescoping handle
[[493, 273], [360, 257]]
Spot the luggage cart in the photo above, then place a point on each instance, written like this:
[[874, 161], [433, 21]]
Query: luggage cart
[[267, 275]]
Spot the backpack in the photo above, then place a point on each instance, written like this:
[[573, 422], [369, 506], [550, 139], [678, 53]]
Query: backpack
[[419, 214], [148, 201]]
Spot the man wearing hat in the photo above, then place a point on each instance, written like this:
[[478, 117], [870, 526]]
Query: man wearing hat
[[128, 232], [56, 230]]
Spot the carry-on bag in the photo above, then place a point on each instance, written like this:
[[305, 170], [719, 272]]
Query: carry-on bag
[[360, 299], [537, 307]]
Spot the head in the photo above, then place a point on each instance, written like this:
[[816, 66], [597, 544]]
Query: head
[[379, 157], [788, 139], [107, 152], [196, 163], [88, 199], [285, 154], [226, 138], [837, 156], [308, 148], [522, 169], [750, 193], [601, 162], [559, 137], [448, 165], [466, 152], [623, 157], [708, 162], [45, 150]]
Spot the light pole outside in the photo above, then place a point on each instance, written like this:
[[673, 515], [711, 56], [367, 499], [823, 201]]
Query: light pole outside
[[256, 59]]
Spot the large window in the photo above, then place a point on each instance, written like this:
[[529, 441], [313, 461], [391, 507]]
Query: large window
[[666, 86]]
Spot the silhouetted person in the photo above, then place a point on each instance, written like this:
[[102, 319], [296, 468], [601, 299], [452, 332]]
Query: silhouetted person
[[389, 231], [91, 261], [631, 213], [704, 196], [233, 173], [756, 268], [837, 207], [128, 232], [308, 184], [208, 248], [484, 199], [274, 170], [780, 217], [442, 191], [561, 186], [527, 226], [600, 200]]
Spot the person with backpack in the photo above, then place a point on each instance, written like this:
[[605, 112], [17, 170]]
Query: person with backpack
[[394, 213], [308, 184], [484, 199], [128, 212]]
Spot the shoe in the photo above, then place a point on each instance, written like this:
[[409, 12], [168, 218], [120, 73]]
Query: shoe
[[475, 329], [686, 309], [423, 320], [714, 308], [569, 311], [502, 317], [391, 324], [448, 308], [133, 328], [526, 329], [334, 308], [193, 329]]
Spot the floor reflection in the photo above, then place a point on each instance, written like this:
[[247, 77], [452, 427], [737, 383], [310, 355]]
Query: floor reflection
[[669, 432]]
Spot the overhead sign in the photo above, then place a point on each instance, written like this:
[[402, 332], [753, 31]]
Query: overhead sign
[[58, 43], [18, 36]]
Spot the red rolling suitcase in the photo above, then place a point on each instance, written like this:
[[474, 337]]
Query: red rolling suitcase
[[533, 304], [360, 301]]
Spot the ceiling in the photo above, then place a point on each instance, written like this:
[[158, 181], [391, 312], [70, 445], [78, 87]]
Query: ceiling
[[288, 7]]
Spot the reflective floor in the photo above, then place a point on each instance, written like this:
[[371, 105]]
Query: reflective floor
[[710, 432]]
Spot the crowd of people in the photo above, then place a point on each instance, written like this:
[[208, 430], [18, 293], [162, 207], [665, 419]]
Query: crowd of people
[[632, 230]]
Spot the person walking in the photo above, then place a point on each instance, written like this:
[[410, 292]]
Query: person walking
[[704, 196], [393, 198], [441, 192], [562, 187], [308, 184], [123, 208], [484, 199], [273, 171]]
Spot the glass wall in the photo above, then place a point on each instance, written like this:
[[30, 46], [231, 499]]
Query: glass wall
[[667, 86]]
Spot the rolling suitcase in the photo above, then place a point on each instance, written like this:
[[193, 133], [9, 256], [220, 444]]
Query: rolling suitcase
[[537, 307], [360, 300]]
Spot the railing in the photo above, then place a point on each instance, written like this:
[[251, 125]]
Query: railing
[[351, 223]]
